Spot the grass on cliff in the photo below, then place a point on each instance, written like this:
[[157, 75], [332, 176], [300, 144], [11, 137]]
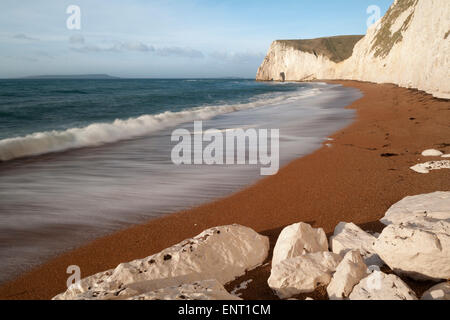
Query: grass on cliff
[[336, 49], [384, 39]]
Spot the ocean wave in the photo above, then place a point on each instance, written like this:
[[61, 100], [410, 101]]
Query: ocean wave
[[102, 133]]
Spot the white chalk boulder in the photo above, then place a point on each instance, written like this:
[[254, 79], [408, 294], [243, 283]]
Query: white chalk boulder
[[201, 290], [421, 251], [348, 274], [438, 292], [298, 239], [221, 253], [432, 153], [434, 206], [303, 274], [380, 286], [430, 166], [348, 236]]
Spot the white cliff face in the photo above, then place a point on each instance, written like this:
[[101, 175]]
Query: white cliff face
[[409, 47], [419, 60], [294, 64]]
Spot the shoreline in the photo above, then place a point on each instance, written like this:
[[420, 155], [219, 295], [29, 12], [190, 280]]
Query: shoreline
[[349, 181], [136, 181]]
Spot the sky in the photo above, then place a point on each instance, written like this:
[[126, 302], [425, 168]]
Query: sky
[[164, 38]]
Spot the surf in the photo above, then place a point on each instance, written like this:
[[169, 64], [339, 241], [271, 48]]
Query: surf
[[97, 134]]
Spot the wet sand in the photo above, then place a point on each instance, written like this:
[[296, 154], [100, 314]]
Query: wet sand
[[357, 178]]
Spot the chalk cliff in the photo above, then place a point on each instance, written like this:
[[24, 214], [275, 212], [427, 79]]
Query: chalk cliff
[[409, 46], [302, 60]]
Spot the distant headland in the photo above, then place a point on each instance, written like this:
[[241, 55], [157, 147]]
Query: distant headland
[[80, 76]]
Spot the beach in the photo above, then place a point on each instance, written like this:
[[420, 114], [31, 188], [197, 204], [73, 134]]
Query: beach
[[47, 209], [355, 177]]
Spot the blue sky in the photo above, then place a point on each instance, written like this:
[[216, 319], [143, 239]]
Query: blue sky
[[171, 38]]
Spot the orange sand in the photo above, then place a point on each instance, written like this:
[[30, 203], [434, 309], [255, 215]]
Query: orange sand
[[350, 181]]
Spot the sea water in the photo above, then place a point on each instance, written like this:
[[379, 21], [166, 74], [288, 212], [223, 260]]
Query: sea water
[[83, 158]]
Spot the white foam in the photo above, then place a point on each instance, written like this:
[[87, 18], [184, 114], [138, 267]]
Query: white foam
[[134, 181], [101, 133]]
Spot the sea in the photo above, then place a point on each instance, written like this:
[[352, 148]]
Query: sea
[[83, 158]]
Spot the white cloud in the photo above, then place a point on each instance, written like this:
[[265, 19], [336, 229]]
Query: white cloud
[[118, 47], [237, 57], [76, 39], [135, 46], [138, 46], [22, 36], [179, 52]]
